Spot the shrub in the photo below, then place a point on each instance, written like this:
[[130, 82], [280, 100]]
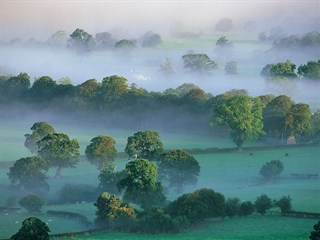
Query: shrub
[[32, 228], [31, 202]]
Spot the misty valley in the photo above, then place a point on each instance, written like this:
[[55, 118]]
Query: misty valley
[[187, 134]]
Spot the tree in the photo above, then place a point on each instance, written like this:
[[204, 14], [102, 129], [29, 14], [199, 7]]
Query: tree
[[151, 39], [32, 228], [101, 150], [262, 204], [315, 118], [311, 70], [140, 184], [180, 167], [298, 120], [284, 204], [243, 114], [274, 114], [59, 150], [39, 131], [104, 40], [166, 66], [32, 203], [88, 93], [232, 207], [200, 63], [58, 39], [146, 144], [113, 88], [81, 41], [125, 44], [246, 208], [224, 25], [231, 68], [43, 89], [17, 86], [315, 234], [279, 71], [112, 212], [271, 170], [30, 173], [197, 206], [195, 97]]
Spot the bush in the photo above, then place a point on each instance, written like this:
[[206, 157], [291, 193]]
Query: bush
[[246, 208], [32, 229], [32, 203]]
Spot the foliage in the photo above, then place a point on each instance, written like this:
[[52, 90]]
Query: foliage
[[311, 70], [141, 185], [72, 193], [246, 208], [271, 170], [101, 150], [31, 202], [284, 204], [166, 66], [156, 221], [88, 93], [274, 114], [39, 131], [231, 68], [125, 44], [243, 114], [59, 150], [32, 228], [104, 40], [298, 120], [43, 88], [180, 167], [30, 173], [198, 63], [262, 204], [112, 212], [315, 119], [315, 234], [113, 88], [280, 70], [146, 144], [197, 206], [81, 41], [232, 207], [17, 86]]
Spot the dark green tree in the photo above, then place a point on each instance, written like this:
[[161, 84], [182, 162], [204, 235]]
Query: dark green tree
[[109, 178], [43, 89], [30, 173], [232, 207], [31, 202], [243, 114], [180, 168], [114, 213], [315, 118], [88, 94], [200, 63], [311, 70], [32, 228], [17, 86], [262, 204], [274, 114], [280, 70], [284, 204], [60, 150], [315, 234], [141, 185], [271, 170], [39, 131], [125, 44], [81, 41], [101, 150], [246, 208], [146, 144], [113, 88]]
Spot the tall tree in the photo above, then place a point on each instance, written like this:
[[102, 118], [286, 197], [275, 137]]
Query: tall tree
[[30, 173], [200, 63], [113, 88], [243, 114], [298, 120], [60, 150], [141, 185], [39, 131], [180, 167], [43, 89], [262, 204], [146, 144], [101, 150]]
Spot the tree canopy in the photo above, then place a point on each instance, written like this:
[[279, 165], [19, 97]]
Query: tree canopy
[[32, 228], [180, 167], [262, 204], [196, 62], [243, 114], [31, 202], [101, 150], [60, 150], [81, 41], [271, 170], [311, 70]]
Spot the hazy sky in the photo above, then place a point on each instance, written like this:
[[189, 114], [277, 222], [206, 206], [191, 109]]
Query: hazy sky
[[39, 19]]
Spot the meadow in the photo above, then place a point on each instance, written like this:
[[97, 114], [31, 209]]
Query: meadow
[[234, 174]]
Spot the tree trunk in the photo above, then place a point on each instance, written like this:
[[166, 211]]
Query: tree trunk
[[58, 173]]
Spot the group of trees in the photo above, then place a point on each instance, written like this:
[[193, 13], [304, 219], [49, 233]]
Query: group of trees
[[286, 70]]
